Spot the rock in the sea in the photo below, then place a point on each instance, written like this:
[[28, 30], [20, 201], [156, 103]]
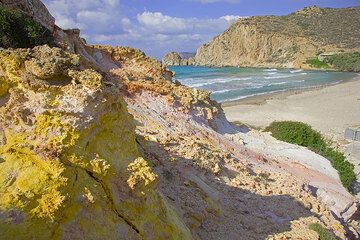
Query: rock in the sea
[[172, 59], [178, 59]]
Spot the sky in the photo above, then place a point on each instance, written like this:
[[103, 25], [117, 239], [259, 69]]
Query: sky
[[160, 26]]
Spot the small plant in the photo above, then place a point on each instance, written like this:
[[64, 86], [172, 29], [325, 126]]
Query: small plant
[[324, 234], [314, 62], [17, 30], [302, 134]]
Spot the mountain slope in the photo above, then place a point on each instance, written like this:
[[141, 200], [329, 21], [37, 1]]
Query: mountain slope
[[284, 41]]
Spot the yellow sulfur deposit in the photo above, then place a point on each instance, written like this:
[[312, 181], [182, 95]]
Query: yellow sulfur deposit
[[4, 86], [140, 173], [70, 169]]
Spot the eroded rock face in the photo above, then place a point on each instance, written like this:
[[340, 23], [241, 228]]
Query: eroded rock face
[[139, 72], [212, 178], [50, 63], [34, 8], [70, 167], [283, 41]]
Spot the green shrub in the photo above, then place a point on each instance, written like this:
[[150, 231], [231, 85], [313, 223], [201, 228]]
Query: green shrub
[[345, 61], [302, 134], [17, 30], [314, 62], [324, 234]]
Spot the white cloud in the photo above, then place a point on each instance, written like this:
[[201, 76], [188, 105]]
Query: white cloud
[[93, 15], [160, 23], [231, 18], [157, 22], [157, 33], [106, 22]]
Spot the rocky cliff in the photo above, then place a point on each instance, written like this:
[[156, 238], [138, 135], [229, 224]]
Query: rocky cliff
[[178, 59], [97, 142], [34, 8], [70, 167], [284, 41]]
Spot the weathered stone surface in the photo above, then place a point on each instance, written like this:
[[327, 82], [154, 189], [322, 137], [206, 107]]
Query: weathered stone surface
[[176, 125], [177, 128], [50, 63], [283, 41], [34, 8], [70, 167]]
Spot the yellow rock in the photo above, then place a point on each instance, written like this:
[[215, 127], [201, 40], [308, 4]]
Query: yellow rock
[[141, 174], [70, 167], [4, 86]]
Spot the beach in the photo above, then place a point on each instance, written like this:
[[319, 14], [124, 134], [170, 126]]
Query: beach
[[329, 109]]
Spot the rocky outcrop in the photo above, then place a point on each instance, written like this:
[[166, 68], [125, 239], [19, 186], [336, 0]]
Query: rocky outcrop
[[178, 59], [172, 59], [97, 142], [283, 41], [183, 133], [70, 167], [34, 8]]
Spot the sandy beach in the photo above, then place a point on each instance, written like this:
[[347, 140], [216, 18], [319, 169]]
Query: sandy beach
[[329, 109]]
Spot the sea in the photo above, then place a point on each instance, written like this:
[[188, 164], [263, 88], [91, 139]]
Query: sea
[[232, 83]]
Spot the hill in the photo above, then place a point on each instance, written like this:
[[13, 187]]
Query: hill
[[284, 41]]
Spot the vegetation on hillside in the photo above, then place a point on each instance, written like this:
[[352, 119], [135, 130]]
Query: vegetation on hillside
[[332, 26], [316, 63], [17, 30], [302, 134], [345, 61], [324, 234]]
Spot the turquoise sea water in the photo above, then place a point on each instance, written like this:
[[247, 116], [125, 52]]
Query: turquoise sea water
[[230, 83]]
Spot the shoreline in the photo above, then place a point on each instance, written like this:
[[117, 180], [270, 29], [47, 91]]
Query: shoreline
[[262, 98], [305, 68], [329, 109]]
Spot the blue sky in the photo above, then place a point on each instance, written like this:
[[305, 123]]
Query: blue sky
[[159, 26]]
